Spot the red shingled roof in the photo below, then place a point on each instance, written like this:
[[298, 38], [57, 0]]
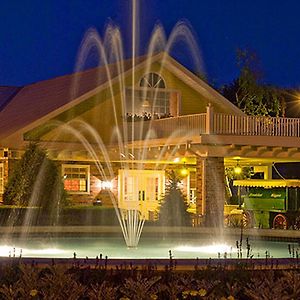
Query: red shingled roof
[[36, 100], [6, 94]]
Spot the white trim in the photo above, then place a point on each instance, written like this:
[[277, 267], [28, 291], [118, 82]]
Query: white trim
[[156, 73]]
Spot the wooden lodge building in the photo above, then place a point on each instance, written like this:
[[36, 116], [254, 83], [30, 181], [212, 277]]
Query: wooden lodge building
[[123, 128]]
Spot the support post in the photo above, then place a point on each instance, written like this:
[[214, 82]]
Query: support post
[[209, 119], [214, 191]]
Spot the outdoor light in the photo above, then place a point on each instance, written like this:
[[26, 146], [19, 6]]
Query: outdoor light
[[237, 170], [146, 104], [184, 171], [106, 185]]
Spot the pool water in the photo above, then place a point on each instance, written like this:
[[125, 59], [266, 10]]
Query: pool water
[[149, 247]]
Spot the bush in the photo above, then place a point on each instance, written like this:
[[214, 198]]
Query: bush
[[173, 211], [68, 216], [77, 281]]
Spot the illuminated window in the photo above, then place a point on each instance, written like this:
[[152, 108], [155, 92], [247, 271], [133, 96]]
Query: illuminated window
[[158, 100], [152, 80], [76, 178], [1, 178], [150, 96]]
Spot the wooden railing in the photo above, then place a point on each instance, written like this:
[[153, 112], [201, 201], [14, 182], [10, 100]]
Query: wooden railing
[[180, 126], [215, 123], [168, 127], [255, 125]]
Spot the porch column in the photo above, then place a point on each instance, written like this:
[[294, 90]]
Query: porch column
[[211, 199], [209, 119], [199, 187], [4, 161]]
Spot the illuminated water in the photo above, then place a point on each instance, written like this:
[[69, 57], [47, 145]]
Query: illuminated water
[[150, 247]]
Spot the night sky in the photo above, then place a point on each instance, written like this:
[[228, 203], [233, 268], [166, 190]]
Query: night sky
[[40, 39]]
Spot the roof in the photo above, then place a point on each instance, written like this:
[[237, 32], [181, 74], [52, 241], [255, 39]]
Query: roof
[[267, 183], [36, 100], [6, 94]]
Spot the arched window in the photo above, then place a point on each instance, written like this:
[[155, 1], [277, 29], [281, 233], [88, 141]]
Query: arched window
[[152, 80], [151, 97]]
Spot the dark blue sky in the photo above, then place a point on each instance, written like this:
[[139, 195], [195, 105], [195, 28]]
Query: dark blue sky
[[40, 39]]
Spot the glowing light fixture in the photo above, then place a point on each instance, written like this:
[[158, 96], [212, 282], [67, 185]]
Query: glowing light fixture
[[146, 104], [184, 171], [237, 170], [106, 185]]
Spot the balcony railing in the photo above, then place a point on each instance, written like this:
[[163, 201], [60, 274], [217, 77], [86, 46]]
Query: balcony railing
[[215, 123], [254, 125], [168, 127]]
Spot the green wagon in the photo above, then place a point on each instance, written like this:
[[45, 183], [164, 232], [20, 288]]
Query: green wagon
[[273, 203]]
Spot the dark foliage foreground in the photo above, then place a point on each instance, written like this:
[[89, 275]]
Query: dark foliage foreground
[[19, 281]]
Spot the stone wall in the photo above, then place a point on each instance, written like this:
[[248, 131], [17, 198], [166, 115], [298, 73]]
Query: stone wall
[[214, 173], [199, 187], [211, 190]]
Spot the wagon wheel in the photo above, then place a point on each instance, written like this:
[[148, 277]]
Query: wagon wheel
[[280, 222], [232, 221], [227, 221], [247, 219]]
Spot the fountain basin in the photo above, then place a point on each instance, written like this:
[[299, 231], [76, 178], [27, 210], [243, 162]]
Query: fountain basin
[[155, 243]]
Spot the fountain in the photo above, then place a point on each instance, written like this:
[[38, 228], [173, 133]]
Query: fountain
[[110, 51], [129, 143]]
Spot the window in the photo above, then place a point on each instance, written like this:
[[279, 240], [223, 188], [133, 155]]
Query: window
[[76, 178], [158, 100], [152, 80], [150, 97], [1, 178]]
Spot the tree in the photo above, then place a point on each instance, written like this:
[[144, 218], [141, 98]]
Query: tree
[[249, 93], [173, 211], [35, 181]]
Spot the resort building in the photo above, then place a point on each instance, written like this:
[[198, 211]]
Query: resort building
[[118, 129]]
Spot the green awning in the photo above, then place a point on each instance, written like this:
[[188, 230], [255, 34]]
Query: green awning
[[267, 183]]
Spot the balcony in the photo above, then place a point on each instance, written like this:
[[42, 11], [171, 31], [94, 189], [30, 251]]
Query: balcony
[[211, 123]]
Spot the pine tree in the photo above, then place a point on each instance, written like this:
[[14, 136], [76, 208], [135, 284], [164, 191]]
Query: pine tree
[[35, 181], [173, 211]]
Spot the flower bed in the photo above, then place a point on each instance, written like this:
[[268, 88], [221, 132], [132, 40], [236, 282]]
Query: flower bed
[[74, 281]]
